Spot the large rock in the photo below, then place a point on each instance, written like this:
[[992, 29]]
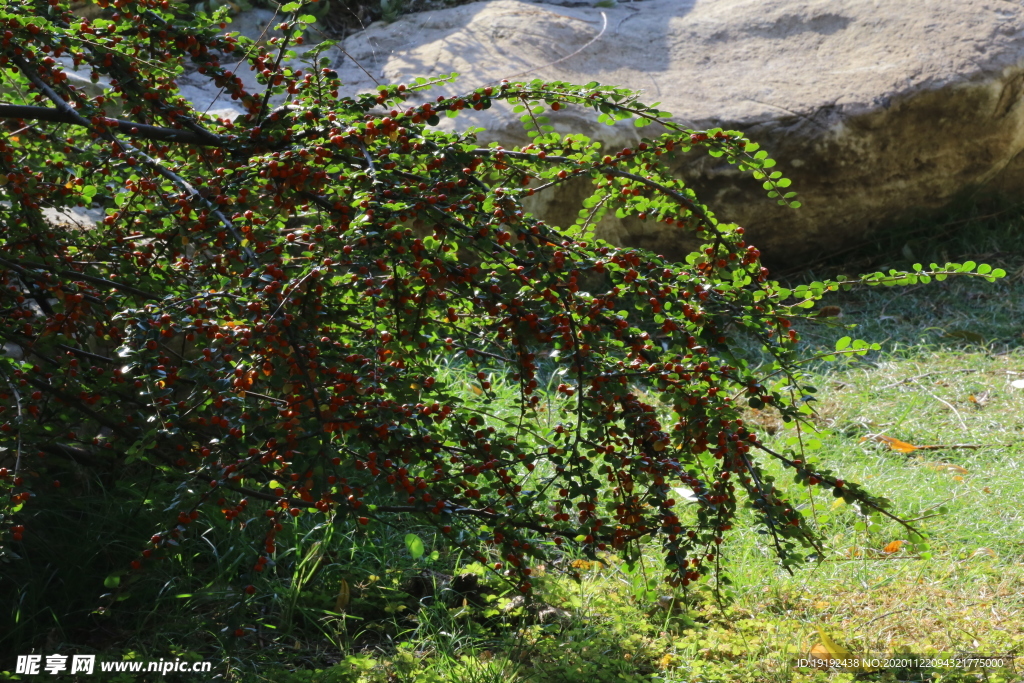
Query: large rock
[[874, 108]]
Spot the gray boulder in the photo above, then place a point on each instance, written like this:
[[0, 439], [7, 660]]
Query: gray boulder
[[875, 109]]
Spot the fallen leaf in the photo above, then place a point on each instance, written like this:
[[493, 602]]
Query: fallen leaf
[[958, 478], [829, 649], [984, 551], [979, 401], [987, 490], [819, 652], [894, 444], [821, 604], [945, 467], [893, 547]]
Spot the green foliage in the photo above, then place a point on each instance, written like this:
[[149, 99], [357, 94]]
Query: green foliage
[[391, 9], [355, 669], [256, 325]]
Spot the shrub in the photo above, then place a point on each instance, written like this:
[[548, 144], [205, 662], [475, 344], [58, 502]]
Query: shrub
[[257, 320]]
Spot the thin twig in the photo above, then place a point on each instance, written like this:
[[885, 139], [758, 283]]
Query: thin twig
[[604, 27], [948, 405], [17, 398], [345, 52], [255, 44], [861, 245], [926, 374]]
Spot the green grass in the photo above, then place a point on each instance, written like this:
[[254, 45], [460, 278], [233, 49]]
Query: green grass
[[950, 352]]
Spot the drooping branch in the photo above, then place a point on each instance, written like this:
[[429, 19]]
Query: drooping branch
[[606, 169]]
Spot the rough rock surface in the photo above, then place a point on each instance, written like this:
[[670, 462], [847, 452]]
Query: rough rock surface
[[257, 24], [873, 108]]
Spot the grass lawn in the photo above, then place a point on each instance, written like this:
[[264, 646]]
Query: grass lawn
[[934, 422]]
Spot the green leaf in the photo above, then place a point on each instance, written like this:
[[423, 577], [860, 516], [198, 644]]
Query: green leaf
[[843, 343], [414, 545]]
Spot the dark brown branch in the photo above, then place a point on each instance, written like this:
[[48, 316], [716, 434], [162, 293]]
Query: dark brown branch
[[71, 274], [76, 403], [73, 453], [85, 354], [130, 128]]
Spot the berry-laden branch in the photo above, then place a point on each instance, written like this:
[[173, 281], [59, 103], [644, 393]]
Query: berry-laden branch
[[333, 308]]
